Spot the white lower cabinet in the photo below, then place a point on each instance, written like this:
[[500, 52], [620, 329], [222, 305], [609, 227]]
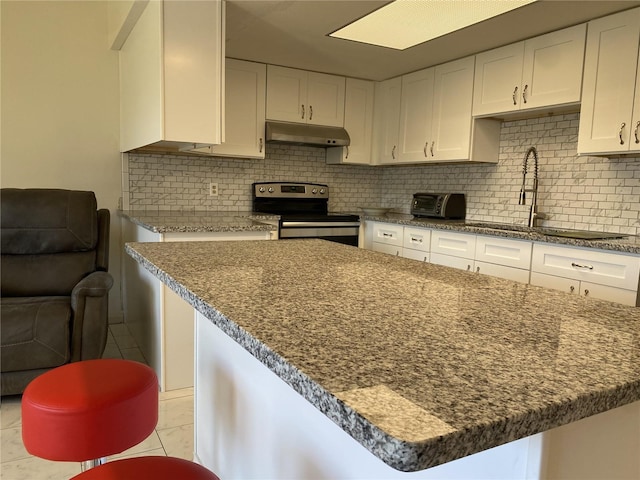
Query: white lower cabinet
[[416, 244], [601, 274], [594, 273], [453, 249], [387, 238]]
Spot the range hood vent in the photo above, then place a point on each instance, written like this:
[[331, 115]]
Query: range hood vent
[[304, 134]]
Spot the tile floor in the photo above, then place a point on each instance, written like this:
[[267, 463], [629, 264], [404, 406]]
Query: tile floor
[[173, 435]]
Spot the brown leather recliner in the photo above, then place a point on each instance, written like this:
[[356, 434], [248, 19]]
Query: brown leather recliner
[[54, 246]]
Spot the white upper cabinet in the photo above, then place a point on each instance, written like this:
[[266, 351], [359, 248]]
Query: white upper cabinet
[[435, 117], [610, 111], [244, 110], [416, 113], [172, 76], [386, 121], [305, 97], [537, 73], [358, 121]]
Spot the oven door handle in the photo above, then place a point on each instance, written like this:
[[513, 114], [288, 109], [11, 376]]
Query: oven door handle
[[287, 224]]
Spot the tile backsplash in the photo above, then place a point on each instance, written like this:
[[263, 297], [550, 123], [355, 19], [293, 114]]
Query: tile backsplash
[[593, 193]]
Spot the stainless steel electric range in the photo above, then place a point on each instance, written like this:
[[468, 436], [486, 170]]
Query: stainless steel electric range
[[303, 211]]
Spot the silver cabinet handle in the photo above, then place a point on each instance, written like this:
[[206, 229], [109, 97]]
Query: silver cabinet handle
[[310, 112], [477, 269], [347, 155], [577, 265], [425, 148], [384, 234], [620, 133], [425, 259], [468, 268], [572, 288], [524, 94], [260, 146], [393, 152], [515, 95], [586, 292], [432, 145], [636, 132], [302, 108], [416, 240]]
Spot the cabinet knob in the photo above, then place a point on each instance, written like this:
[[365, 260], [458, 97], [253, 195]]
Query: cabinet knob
[[586, 292], [620, 133], [572, 288], [477, 269], [515, 95]]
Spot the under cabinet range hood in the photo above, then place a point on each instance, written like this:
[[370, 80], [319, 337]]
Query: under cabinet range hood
[[305, 134]]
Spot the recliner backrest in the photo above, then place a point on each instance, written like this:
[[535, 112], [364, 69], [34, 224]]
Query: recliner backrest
[[49, 240]]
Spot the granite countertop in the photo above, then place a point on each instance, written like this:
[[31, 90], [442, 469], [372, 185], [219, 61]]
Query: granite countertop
[[421, 364], [177, 221], [629, 244]]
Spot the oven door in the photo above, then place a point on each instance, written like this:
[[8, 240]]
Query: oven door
[[334, 231]]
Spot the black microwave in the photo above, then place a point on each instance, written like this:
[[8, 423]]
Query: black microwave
[[439, 205]]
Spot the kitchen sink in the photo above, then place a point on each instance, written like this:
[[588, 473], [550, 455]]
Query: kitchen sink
[[552, 232]]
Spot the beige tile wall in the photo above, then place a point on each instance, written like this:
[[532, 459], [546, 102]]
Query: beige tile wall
[[575, 192]]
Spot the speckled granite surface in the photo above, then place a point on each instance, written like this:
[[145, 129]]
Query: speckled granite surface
[[421, 364], [166, 221], [630, 244]]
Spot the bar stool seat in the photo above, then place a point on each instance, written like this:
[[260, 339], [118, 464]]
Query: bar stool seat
[[148, 468], [89, 409]]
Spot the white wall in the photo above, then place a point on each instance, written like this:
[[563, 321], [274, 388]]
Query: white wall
[[60, 106]]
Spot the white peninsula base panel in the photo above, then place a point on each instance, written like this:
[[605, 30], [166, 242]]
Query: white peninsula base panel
[[250, 424], [159, 320]]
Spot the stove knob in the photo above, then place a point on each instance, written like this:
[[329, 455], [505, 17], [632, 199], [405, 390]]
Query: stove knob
[[270, 189], [261, 189], [322, 191], [314, 191]]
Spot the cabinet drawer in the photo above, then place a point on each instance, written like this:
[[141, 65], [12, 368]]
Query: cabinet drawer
[[453, 243], [419, 255], [386, 248], [504, 251], [387, 233], [587, 289], [451, 261], [612, 269], [502, 271], [417, 238]]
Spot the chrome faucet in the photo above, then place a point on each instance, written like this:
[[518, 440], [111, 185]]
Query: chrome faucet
[[533, 212]]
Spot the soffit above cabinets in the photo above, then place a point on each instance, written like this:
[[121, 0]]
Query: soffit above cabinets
[[293, 33]]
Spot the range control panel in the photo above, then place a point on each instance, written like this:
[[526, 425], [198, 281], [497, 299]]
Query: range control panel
[[290, 190]]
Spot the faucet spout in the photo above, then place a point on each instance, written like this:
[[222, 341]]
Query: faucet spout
[[533, 211]]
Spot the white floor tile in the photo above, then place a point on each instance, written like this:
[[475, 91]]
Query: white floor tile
[[10, 415], [11, 444], [181, 392], [33, 468], [175, 412], [151, 443], [178, 441]]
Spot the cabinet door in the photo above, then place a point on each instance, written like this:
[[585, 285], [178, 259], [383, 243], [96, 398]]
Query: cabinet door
[[609, 81], [417, 239], [498, 76], [416, 111], [388, 233], [386, 248], [244, 110], [500, 271], [325, 99], [358, 121], [286, 94], [418, 255], [567, 285], [453, 99], [552, 69], [451, 261], [387, 121]]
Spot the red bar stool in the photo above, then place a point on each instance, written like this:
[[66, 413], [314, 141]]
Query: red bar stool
[[86, 411]]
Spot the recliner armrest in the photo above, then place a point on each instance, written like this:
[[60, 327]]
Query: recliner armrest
[[96, 284], [90, 304]]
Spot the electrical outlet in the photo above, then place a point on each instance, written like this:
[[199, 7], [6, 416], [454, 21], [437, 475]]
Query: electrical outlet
[[213, 189]]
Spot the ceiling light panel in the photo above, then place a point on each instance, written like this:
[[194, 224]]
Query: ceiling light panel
[[405, 23]]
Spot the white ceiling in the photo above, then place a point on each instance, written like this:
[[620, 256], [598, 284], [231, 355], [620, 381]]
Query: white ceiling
[[293, 33]]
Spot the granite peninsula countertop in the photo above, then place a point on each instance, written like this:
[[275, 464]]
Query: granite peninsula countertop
[[628, 244], [183, 221], [421, 364]]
